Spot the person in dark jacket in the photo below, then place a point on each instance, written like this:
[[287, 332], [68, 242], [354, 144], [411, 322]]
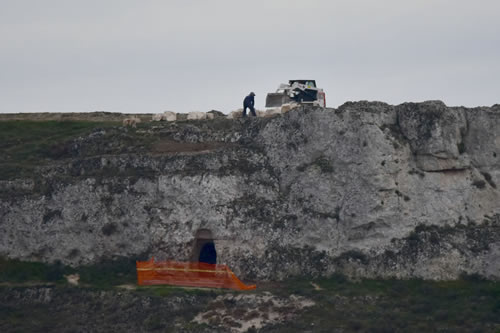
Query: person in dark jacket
[[249, 102]]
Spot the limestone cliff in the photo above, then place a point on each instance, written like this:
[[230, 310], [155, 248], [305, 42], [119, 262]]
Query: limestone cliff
[[368, 189]]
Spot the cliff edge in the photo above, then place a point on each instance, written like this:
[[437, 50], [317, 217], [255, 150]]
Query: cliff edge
[[368, 190]]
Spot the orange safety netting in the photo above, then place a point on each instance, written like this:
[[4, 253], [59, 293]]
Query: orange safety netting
[[189, 274]]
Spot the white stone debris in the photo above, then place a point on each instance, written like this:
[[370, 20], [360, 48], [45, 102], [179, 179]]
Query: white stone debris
[[165, 116], [156, 117], [195, 115], [73, 279], [287, 107], [132, 121], [169, 116], [235, 114], [273, 112]]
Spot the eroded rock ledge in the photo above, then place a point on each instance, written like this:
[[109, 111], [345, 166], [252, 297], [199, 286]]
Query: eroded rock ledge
[[368, 189]]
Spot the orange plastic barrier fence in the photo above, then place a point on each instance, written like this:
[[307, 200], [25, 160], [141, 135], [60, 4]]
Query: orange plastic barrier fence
[[188, 274]]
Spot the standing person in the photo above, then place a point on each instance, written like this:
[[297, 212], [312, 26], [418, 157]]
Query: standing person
[[249, 102]]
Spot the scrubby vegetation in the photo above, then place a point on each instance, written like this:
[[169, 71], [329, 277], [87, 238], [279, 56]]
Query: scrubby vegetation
[[109, 273], [26, 144], [105, 274], [470, 304], [16, 271]]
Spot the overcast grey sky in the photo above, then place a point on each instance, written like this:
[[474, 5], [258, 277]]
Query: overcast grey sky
[[197, 55]]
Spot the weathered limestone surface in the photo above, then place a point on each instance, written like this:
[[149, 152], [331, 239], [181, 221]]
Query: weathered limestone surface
[[368, 189]]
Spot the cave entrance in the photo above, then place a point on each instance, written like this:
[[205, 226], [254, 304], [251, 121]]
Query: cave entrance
[[204, 247]]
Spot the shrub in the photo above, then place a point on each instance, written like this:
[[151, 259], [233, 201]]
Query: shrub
[[13, 270]]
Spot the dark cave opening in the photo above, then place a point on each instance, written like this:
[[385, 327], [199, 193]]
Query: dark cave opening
[[208, 254], [204, 247]]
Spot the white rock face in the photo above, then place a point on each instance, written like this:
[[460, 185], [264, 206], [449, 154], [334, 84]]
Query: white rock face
[[368, 189]]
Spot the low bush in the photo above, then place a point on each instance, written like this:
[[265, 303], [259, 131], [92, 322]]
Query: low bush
[[16, 271]]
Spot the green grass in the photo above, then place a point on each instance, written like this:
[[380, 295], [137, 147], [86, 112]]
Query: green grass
[[27, 144], [470, 304], [106, 274], [465, 305], [15, 271], [109, 273]]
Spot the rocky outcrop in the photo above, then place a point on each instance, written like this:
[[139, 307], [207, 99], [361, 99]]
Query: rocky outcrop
[[368, 189]]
